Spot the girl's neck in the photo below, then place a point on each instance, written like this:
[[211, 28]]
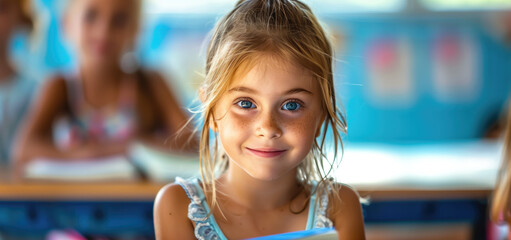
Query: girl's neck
[[100, 76], [101, 86], [258, 194], [6, 69]]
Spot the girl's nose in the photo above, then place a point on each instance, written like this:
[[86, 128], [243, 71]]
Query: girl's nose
[[102, 30], [268, 126]]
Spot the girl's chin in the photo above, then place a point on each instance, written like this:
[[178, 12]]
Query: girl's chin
[[100, 62], [267, 176]]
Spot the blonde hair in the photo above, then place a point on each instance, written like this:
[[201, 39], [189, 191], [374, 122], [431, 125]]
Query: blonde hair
[[500, 206], [287, 29]]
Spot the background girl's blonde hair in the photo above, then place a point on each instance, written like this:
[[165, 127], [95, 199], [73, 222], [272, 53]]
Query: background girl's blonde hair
[[500, 207], [287, 30]]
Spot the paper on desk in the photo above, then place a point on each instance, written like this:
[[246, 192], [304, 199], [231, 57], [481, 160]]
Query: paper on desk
[[453, 165], [107, 168], [164, 166]]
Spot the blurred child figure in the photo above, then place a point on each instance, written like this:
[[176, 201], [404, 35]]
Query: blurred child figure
[[105, 105], [501, 200], [269, 96], [15, 89]]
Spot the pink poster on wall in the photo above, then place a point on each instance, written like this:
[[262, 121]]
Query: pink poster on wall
[[389, 75], [455, 66]]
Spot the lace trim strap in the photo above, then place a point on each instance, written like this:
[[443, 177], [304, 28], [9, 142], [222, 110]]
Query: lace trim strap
[[206, 227], [319, 217], [322, 221], [190, 190]]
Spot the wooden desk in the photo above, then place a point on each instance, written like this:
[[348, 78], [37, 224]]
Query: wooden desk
[[146, 191], [76, 191], [135, 191]]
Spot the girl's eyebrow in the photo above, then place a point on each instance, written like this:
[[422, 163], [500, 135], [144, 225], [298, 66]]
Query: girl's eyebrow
[[253, 91]]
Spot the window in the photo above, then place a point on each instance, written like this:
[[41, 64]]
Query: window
[[322, 6], [466, 5]]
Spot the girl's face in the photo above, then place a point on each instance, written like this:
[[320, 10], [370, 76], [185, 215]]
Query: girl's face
[[268, 119], [102, 30], [9, 18]]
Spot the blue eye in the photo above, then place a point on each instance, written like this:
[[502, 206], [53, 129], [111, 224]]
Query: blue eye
[[245, 104], [291, 106]]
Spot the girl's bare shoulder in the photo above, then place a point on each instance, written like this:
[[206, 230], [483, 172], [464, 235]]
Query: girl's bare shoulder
[[170, 198], [346, 212], [171, 214], [50, 101], [173, 193], [55, 84]]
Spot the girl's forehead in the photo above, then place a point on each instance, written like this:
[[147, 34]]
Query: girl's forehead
[[273, 75], [263, 62], [268, 65], [130, 6]]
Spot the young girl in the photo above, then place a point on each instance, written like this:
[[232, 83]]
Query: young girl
[[15, 90], [501, 207], [269, 96], [102, 108]]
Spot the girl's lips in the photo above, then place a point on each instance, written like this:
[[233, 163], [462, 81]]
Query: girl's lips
[[266, 153]]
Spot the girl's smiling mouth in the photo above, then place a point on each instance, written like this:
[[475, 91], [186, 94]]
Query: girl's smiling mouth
[[266, 152]]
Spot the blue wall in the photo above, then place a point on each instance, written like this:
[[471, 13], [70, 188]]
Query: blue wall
[[426, 117]]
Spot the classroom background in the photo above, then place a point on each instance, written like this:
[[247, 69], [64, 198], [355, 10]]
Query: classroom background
[[424, 85]]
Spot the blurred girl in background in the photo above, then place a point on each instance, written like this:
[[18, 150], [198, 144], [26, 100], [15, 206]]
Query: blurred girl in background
[[15, 89], [107, 103], [501, 208]]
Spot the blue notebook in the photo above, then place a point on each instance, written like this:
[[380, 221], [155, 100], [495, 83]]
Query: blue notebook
[[314, 234]]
